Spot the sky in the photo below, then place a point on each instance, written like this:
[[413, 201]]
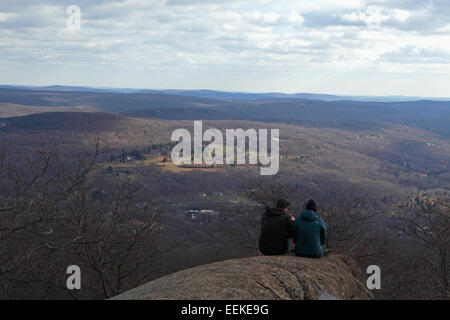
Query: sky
[[351, 47]]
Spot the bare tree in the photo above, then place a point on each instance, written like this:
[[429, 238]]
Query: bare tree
[[427, 227], [56, 212]]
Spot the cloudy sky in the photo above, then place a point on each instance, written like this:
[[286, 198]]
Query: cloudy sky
[[370, 47]]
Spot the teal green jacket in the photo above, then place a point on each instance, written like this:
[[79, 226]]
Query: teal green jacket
[[310, 233]]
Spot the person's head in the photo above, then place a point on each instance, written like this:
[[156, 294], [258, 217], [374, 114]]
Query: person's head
[[311, 205], [282, 204]]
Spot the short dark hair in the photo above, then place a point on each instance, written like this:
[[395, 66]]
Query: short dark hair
[[282, 204], [311, 205]]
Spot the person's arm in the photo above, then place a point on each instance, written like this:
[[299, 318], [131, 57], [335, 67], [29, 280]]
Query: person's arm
[[294, 233], [323, 233], [290, 227]]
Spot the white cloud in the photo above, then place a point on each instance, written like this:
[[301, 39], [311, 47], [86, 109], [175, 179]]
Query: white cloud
[[4, 17], [401, 15], [376, 17], [295, 17], [181, 43]]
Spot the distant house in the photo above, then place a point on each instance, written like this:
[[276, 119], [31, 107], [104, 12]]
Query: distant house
[[200, 215], [109, 170], [141, 205], [190, 214], [207, 211], [123, 171]]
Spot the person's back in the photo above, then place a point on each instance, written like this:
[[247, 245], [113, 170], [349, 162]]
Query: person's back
[[276, 229], [309, 233]]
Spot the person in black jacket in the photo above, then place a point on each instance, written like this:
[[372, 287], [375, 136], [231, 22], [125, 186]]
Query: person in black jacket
[[276, 230]]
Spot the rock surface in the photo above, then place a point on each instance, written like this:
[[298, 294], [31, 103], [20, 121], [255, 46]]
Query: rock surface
[[263, 277]]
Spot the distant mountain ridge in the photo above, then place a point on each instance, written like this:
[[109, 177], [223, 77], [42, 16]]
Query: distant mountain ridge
[[424, 114], [230, 95]]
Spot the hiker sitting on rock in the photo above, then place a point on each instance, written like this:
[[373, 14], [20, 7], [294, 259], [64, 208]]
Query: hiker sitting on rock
[[276, 229], [310, 233]]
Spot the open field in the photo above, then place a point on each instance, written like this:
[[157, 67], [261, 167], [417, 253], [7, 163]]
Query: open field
[[15, 110]]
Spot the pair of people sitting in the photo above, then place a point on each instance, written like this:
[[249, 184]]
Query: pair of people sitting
[[308, 231]]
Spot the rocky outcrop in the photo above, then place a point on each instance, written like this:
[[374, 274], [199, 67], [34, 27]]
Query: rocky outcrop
[[263, 277]]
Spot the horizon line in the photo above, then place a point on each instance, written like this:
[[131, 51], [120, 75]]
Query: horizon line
[[233, 91]]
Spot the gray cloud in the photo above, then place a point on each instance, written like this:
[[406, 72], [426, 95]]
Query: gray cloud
[[197, 2], [180, 42], [409, 15]]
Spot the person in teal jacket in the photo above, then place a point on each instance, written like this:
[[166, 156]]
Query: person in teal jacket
[[310, 233]]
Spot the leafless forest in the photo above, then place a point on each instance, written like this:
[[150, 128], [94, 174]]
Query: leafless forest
[[95, 187]]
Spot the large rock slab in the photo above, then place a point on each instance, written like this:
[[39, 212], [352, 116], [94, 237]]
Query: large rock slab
[[262, 277]]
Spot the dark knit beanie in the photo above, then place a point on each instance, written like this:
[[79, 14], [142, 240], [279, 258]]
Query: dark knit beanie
[[311, 205]]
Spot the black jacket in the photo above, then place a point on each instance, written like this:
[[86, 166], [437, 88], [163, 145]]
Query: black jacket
[[276, 229]]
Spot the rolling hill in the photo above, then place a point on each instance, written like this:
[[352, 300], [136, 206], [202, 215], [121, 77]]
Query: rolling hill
[[429, 115]]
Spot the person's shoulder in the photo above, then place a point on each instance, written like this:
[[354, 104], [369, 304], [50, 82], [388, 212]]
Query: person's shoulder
[[320, 220]]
